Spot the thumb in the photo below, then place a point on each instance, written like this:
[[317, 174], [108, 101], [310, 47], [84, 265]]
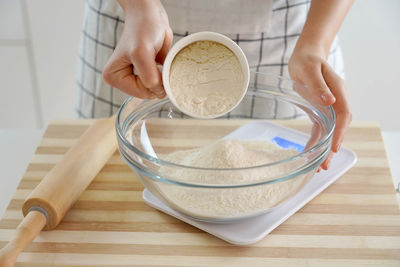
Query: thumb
[[165, 47], [317, 87]]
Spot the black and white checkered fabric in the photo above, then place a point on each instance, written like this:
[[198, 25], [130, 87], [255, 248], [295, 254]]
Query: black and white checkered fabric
[[266, 52]]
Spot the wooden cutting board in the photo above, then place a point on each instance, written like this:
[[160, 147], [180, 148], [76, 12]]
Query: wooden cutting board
[[355, 222]]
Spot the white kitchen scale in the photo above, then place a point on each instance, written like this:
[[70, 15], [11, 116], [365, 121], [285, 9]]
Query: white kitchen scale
[[252, 230]]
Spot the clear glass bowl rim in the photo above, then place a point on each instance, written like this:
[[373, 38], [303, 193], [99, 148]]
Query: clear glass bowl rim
[[283, 93]]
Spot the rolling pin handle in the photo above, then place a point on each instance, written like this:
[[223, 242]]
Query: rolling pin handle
[[41, 210], [26, 231]]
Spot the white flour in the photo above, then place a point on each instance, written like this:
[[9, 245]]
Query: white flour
[[226, 203], [206, 79]]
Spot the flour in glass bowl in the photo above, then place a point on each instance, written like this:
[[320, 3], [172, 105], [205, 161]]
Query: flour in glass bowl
[[211, 203], [206, 79]]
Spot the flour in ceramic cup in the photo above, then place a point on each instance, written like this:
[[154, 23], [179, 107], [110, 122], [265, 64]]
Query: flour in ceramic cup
[[206, 79]]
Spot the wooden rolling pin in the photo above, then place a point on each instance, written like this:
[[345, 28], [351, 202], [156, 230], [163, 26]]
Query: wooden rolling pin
[[60, 188]]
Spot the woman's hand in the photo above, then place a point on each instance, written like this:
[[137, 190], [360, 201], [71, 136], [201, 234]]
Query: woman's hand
[[308, 65], [144, 43], [323, 86]]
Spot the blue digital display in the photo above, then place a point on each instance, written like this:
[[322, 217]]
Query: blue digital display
[[286, 144]]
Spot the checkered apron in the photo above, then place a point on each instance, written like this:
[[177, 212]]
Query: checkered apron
[[266, 30]]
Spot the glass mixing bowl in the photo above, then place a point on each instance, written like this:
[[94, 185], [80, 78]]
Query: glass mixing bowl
[[271, 114]]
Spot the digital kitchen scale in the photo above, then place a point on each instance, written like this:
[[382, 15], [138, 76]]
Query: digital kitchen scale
[[252, 230]]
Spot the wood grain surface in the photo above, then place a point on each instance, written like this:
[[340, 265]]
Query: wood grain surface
[[354, 222]]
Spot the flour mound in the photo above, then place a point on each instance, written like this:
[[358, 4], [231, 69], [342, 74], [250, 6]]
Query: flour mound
[[228, 154], [208, 203]]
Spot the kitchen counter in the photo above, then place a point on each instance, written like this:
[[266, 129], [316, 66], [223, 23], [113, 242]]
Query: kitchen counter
[[354, 222], [18, 145]]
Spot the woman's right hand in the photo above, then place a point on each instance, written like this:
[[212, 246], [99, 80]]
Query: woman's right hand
[[144, 43]]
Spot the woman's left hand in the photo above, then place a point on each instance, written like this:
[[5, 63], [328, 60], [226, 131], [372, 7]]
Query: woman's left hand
[[324, 86]]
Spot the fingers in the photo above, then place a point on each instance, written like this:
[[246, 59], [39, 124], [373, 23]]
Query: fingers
[[343, 120], [143, 88], [326, 164], [317, 86], [324, 87], [315, 135], [143, 58], [119, 74], [146, 37], [341, 106]]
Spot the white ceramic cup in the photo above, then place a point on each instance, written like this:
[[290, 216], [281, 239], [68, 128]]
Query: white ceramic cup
[[205, 36]]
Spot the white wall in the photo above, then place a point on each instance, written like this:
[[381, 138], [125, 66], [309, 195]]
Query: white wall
[[39, 43], [56, 26], [17, 107], [370, 40]]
